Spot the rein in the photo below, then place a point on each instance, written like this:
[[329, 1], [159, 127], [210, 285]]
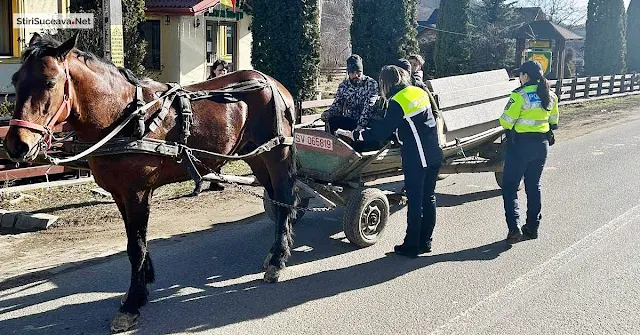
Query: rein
[[47, 130]]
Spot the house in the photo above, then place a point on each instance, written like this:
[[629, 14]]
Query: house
[[12, 40], [185, 37]]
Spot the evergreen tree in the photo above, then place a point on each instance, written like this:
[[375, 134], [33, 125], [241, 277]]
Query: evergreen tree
[[633, 36], [135, 47], [286, 44], [605, 51], [452, 54], [492, 46], [384, 31]]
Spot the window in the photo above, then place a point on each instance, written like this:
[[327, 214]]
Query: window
[[150, 31], [230, 40], [6, 28]]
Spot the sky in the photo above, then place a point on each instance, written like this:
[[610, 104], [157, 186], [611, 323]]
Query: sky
[[584, 2]]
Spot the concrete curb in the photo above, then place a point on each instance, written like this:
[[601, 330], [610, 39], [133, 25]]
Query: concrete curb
[[26, 221]]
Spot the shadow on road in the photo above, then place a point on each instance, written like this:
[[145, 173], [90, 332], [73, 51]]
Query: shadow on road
[[208, 280]]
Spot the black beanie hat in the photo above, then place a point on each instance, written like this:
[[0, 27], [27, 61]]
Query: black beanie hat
[[354, 63], [403, 64]]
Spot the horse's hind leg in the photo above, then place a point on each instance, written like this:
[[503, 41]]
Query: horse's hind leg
[[135, 208], [282, 175]]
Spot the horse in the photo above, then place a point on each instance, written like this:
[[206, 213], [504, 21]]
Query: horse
[[57, 82]]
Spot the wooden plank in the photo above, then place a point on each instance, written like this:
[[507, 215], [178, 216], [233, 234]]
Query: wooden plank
[[451, 99], [468, 81], [587, 89], [612, 82], [473, 115], [317, 103], [35, 171], [600, 83], [572, 93]]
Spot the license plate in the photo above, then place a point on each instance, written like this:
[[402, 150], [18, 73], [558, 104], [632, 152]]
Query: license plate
[[314, 141]]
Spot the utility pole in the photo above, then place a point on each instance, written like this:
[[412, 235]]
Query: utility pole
[[113, 42]]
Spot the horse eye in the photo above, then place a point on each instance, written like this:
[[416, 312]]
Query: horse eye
[[50, 84]]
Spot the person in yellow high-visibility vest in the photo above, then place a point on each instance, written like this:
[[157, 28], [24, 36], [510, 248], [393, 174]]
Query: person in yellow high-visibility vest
[[529, 117], [409, 114]]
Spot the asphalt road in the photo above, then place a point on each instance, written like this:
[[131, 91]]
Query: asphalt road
[[582, 276]]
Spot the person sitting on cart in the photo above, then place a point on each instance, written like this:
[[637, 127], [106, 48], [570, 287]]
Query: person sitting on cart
[[409, 115], [353, 105]]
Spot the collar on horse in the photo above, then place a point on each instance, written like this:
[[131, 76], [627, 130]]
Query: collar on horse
[[47, 130]]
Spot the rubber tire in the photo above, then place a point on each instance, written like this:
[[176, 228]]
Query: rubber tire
[[353, 211], [269, 208], [500, 175]]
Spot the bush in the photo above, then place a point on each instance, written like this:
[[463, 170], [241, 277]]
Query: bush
[[452, 52], [286, 44], [6, 107], [604, 47], [381, 34]]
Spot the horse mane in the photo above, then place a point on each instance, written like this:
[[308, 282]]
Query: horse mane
[[46, 47]]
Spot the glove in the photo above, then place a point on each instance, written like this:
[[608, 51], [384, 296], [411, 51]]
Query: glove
[[345, 133], [324, 116]]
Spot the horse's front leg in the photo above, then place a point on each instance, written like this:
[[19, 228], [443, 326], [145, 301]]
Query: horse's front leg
[[136, 217]]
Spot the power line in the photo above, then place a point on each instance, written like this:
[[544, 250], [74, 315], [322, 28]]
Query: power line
[[447, 31]]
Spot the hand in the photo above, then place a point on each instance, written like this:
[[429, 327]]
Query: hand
[[324, 116], [358, 128], [345, 133]]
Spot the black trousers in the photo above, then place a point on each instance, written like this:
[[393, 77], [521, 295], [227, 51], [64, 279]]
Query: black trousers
[[420, 184]]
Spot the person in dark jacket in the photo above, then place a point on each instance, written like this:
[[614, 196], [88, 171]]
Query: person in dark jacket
[[409, 115]]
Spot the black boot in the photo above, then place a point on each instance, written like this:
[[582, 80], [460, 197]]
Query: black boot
[[514, 237], [403, 250], [528, 233], [426, 247]]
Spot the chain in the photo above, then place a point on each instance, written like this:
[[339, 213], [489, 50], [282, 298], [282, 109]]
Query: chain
[[258, 195]]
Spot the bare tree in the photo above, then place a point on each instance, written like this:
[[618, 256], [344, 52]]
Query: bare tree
[[565, 12], [335, 32]]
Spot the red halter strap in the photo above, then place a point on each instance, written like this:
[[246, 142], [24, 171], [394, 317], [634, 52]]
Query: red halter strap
[[47, 130]]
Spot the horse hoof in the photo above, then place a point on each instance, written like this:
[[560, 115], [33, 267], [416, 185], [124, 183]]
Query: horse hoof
[[123, 322], [267, 260], [272, 275]]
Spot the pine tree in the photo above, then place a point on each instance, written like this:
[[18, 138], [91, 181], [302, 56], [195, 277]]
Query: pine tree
[[383, 31], [492, 46], [633, 36], [452, 52], [286, 44], [605, 50]]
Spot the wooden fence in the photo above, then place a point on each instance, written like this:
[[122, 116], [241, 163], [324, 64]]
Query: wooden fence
[[594, 87], [568, 90]]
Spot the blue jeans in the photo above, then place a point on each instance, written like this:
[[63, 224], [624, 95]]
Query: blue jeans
[[526, 157]]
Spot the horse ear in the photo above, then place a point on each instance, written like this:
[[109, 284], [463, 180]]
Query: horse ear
[[35, 39], [67, 46]]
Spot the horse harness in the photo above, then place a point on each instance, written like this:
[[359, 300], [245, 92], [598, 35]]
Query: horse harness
[[140, 144]]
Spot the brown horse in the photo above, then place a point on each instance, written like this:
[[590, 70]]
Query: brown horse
[[57, 82]]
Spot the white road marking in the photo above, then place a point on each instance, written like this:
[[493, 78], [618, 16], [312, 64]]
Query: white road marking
[[496, 302]]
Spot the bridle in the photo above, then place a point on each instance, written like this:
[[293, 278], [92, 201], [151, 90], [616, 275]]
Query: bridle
[[47, 130]]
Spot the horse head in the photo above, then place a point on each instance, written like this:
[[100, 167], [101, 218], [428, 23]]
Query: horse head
[[44, 97]]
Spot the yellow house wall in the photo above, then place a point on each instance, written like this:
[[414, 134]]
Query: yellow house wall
[[9, 65], [183, 48]]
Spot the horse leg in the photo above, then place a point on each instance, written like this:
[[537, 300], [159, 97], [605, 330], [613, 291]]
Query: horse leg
[[262, 175], [282, 175], [136, 217]]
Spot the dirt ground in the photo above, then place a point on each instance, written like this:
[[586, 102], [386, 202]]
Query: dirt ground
[[90, 227]]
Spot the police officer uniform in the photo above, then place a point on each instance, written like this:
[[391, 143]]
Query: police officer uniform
[[529, 126], [409, 114]]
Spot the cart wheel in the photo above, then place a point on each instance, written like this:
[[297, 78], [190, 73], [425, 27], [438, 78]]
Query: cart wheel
[[500, 175], [269, 207], [365, 217]]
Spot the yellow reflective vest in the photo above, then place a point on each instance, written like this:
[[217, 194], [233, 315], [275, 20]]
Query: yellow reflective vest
[[524, 112]]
